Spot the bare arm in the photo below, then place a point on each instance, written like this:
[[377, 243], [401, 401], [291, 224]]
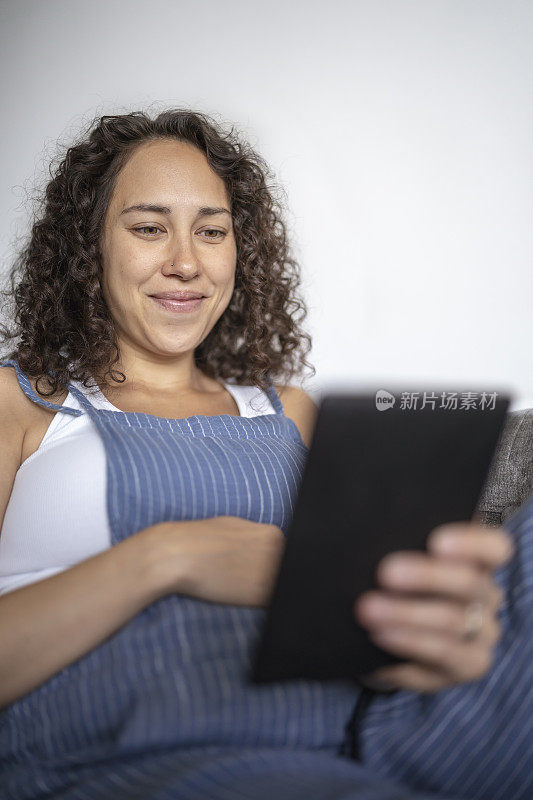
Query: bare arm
[[49, 624], [53, 622]]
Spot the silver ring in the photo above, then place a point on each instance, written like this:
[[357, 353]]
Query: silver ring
[[473, 621]]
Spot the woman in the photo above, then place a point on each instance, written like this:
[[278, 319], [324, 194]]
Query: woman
[[145, 513]]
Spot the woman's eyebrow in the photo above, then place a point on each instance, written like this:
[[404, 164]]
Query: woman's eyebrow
[[203, 211]]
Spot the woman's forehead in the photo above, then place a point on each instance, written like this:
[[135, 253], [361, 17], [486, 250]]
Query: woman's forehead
[[170, 169]]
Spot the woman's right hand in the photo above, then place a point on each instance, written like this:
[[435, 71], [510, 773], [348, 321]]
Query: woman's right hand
[[222, 559]]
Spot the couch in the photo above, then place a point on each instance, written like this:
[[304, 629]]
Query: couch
[[510, 479]]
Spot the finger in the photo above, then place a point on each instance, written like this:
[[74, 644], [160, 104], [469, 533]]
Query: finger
[[458, 659], [491, 547], [376, 610], [424, 572], [413, 677]]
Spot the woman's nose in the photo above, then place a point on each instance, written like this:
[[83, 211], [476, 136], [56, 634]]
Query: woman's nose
[[183, 260]]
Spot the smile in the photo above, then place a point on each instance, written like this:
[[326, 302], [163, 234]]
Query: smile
[[179, 305]]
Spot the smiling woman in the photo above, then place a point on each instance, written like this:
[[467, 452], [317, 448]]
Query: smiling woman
[[155, 247], [142, 206], [143, 516]]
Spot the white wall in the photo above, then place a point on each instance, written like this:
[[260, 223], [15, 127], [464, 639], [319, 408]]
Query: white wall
[[401, 130]]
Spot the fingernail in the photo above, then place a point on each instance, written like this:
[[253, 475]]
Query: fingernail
[[446, 540], [395, 569], [448, 544], [386, 636], [375, 607]]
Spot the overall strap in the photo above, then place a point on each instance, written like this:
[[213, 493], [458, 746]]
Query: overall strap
[[82, 400], [26, 387], [274, 398]]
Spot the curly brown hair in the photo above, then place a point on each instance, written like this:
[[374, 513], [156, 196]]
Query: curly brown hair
[[63, 324]]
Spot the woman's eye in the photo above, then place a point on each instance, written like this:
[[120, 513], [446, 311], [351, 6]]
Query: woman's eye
[[212, 230], [152, 230], [148, 228]]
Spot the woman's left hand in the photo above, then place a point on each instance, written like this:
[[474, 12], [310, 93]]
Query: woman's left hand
[[422, 612]]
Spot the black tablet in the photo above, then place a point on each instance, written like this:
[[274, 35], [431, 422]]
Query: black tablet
[[383, 470]]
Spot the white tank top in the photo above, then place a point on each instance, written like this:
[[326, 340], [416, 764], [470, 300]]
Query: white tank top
[[56, 515]]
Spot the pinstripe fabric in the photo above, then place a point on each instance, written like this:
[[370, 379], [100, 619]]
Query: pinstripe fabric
[[162, 709], [474, 740]]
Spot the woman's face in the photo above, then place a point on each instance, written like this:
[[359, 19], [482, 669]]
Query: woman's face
[[140, 247]]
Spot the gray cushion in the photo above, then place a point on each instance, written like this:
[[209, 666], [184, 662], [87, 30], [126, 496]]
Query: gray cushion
[[510, 479]]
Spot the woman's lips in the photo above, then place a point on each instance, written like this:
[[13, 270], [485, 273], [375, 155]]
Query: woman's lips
[[179, 305]]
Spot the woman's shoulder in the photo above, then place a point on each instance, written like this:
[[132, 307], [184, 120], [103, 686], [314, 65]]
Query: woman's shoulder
[[12, 401], [299, 406], [21, 408]]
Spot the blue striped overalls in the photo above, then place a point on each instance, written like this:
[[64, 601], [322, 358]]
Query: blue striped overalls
[[161, 710]]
